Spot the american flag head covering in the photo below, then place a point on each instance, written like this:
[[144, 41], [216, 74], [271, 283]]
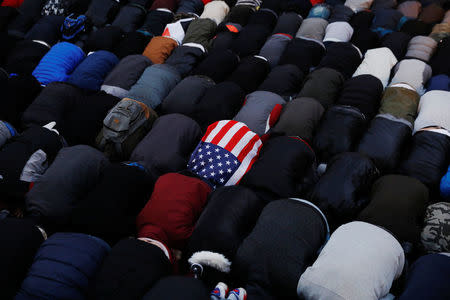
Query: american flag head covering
[[226, 152]]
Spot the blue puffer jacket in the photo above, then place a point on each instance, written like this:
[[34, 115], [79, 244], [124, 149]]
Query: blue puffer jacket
[[58, 63], [91, 73], [445, 185], [63, 267]]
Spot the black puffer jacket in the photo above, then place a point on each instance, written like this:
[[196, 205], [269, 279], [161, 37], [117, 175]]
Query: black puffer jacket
[[81, 125], [67, 105], [217, 66], [228, 218], [25, 56], [303, 53], [255, 33], [110, 209], [283, 80], [250, 73], [342, 192], [364, 93], [102, 12], [179, 288], [282, 167], [24, 158], [130, 270], [428, 159], [47, 29], [341, 56], [339, 131], [7, 14], [52, 104], [20, 91], [220, 102], [105, 38]]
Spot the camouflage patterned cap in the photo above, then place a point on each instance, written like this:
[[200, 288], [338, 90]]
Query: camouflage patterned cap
[[435, 235]]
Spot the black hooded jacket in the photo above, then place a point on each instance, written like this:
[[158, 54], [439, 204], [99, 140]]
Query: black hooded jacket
[[283, 165]]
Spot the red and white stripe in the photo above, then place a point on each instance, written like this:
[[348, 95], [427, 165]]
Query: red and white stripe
[[239, 140]]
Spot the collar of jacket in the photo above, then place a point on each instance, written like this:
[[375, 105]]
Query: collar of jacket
[[321, 213], [42, 43]]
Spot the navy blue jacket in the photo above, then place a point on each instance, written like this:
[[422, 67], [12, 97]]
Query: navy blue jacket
[[63, 267], [428, 279]]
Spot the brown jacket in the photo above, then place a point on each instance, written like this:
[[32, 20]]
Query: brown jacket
[[159, 49]]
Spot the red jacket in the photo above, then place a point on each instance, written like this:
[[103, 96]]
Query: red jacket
[[173, 209], [12, 3], [315, 2]]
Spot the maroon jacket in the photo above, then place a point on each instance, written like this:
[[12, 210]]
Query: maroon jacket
[[173, 209]]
